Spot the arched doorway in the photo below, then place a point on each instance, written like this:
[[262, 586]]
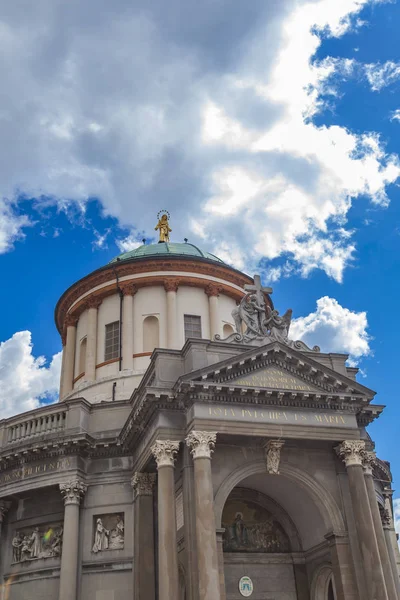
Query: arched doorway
[[323, 587], [258, 542]]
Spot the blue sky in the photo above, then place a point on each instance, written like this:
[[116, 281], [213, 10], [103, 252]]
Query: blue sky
[[271, 134]]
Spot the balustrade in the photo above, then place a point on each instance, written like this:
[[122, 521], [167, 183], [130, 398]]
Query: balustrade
[[36, 426]]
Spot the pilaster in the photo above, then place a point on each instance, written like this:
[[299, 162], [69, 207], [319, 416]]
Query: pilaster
[[143, 552]]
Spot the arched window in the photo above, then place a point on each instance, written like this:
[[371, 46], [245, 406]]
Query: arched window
[[228, 330], [82, 355], [151, 334]]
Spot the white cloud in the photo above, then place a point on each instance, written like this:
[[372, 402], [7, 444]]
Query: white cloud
[[382, 75], [395, 116], [128, 243], [24, 379], [11, 226], [196, 108], [335, 329]]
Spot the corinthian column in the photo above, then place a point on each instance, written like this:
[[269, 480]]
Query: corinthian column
[[201, 444], [369, 460], [91, 346], [128, 290], [143, 551], [212, 292], [72, 492], [351, 452], [69, 354], [164, 452], [390, 536], [171, 287]]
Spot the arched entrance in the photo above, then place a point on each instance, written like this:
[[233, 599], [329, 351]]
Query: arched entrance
[[273, 524], [322, 587]]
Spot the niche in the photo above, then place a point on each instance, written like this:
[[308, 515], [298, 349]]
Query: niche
[[151, 334]]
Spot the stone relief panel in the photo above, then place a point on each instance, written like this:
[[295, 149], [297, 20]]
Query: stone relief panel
[[43, 541], [108, 532], [251, 528]]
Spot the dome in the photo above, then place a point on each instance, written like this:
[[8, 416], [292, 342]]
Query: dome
[[166, 249]]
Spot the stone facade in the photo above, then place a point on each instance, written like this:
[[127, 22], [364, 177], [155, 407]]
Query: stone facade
[[231, 470]]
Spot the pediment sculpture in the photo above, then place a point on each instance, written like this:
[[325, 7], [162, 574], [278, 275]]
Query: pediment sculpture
[[257, 323]]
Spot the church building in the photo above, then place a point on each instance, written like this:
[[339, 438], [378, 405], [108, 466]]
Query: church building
[[197, 451]]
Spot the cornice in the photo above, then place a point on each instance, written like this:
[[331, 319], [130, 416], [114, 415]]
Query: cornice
[[142, 266]]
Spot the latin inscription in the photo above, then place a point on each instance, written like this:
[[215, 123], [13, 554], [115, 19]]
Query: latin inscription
[[31, 470], [289, 416], [274, 378], [275, 415]]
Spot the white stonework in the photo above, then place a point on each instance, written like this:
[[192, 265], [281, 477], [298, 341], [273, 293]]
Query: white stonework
[[164, 451], [273, 456], [351, 452], [201, 443]]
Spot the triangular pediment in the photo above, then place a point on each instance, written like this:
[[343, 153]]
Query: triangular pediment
[[274, 377]]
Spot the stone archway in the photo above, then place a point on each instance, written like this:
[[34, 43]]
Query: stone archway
[[322, 586], [324, 502]]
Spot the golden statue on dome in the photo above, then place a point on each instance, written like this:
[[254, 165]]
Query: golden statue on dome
[[163, 226]]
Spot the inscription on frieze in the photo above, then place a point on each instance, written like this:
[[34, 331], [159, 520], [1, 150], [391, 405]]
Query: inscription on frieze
[[31, 470], [281, 416], [274, 378]]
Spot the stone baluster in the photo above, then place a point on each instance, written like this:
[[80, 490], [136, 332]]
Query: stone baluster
[[351, 452], [72, 492], [164, 452], [67, 376], [201, 444], [390, 536], [369, 460], [171, 288], [213, 291], [92, 306], [128, 290], [143, 550]]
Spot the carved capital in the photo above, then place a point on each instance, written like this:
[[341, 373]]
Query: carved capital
[[368, 461], [201, 443], [128, 288], [70, 320], [386, 518], [73, 491], [164, 452], [4, 508], [171, 285], [93, 302], [351, 452], [273, 455], [143, 484], [212, 289]]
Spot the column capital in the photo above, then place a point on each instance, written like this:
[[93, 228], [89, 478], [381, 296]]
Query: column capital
[[143, 484], [273, 455], [386, 518], [4, 508], [201, 443], [164, 452], [351, 452], [368, 461], [128, 288], [70, 320], [93, 302], [171, 285], [212, 289], [72, 491]]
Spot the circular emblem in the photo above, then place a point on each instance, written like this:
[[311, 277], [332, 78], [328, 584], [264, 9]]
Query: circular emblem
[[246, 587]]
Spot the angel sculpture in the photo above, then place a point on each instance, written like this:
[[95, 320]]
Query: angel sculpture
[[252, 314], [278, 327]]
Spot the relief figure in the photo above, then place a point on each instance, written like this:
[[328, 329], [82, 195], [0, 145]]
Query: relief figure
[[100, 537], [117, 535]]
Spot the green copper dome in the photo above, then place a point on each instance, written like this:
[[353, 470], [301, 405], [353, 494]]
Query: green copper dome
[[166, 249]]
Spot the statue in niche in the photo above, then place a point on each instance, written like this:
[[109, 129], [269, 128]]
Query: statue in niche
[[252, 529], [100, 537]]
